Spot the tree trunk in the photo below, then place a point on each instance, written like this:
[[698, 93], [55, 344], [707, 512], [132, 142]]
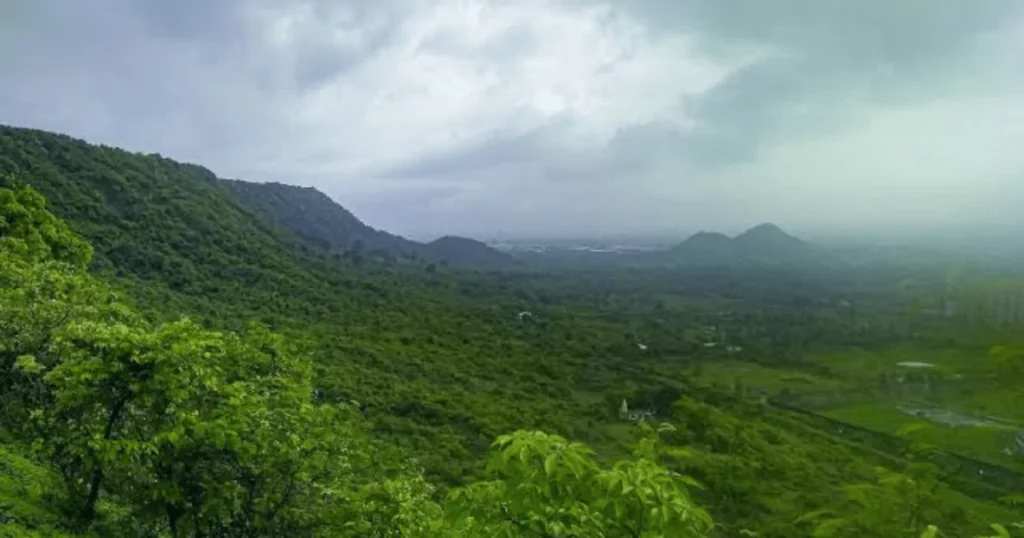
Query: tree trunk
[[89, 510]]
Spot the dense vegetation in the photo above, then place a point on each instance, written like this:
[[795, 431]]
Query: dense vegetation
[[175, 363], [313, 215]]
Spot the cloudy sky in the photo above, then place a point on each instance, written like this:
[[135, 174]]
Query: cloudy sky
[[550, 117]]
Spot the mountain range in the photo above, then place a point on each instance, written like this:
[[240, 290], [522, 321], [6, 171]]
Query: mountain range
[[108, 193]]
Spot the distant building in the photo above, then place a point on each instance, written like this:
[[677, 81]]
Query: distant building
[[638, 415]]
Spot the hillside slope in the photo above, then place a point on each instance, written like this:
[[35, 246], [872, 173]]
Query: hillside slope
[[149, 216], [312, 214], [438, 360]]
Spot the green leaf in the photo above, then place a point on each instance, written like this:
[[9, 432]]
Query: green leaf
[[549, 463], [829, 527]]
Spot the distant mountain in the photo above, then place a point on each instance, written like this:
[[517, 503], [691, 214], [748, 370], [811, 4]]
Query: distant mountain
[[706, 248], [764, 244], [315, 216], [768, 243], [467, 252]]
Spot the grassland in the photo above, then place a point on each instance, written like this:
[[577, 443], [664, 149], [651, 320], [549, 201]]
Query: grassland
[[982, 442], [727, 372], [971, 387]]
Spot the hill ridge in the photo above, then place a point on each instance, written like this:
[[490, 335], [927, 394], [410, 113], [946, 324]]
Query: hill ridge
[[765, 243], [313, 214], [105, 191]]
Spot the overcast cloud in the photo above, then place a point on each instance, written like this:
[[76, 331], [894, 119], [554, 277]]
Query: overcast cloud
[[546, 117]]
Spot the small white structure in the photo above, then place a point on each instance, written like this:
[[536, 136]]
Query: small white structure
[[523, 314], [637, 416], [916, 364], [641, 347]]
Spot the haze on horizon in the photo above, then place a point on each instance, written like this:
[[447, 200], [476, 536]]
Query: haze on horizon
[[546, 118]]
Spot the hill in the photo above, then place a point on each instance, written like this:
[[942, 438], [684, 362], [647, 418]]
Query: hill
[[312, 214], [151, 217], [764, 244], [706, 248], [465, 252], [768, 243]]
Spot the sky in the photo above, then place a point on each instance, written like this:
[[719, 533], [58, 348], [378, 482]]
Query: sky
[[554, 118]]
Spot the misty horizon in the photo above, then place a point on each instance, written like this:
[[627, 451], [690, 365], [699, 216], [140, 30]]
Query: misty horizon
[[575, 118]]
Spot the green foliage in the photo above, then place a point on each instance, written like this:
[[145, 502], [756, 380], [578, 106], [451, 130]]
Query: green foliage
[[29, 498], [171, 428], [30, 231], [207, 430], [895, 504], [1000, 531], [543, 485]]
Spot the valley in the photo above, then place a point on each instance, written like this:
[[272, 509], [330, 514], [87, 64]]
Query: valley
[[368, 385]]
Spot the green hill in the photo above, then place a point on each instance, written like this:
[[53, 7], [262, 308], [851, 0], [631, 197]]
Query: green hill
[[763, 245], [313, 215], [706, 249]]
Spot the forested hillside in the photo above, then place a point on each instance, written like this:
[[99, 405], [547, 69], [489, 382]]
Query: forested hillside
[[313, 215], [176, 363]]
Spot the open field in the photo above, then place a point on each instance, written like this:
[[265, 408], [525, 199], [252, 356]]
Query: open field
[[756, 377], [972, 414], [982, 442], [865, 365]]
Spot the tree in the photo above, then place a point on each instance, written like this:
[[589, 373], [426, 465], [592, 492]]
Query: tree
[[43, 287], [29, 230], [543, 485], [203, 432]]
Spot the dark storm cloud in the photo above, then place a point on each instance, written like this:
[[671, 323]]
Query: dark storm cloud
[[864, 33], [829, 54]]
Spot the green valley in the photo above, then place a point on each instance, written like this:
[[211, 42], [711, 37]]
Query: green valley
[[187, 356]]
